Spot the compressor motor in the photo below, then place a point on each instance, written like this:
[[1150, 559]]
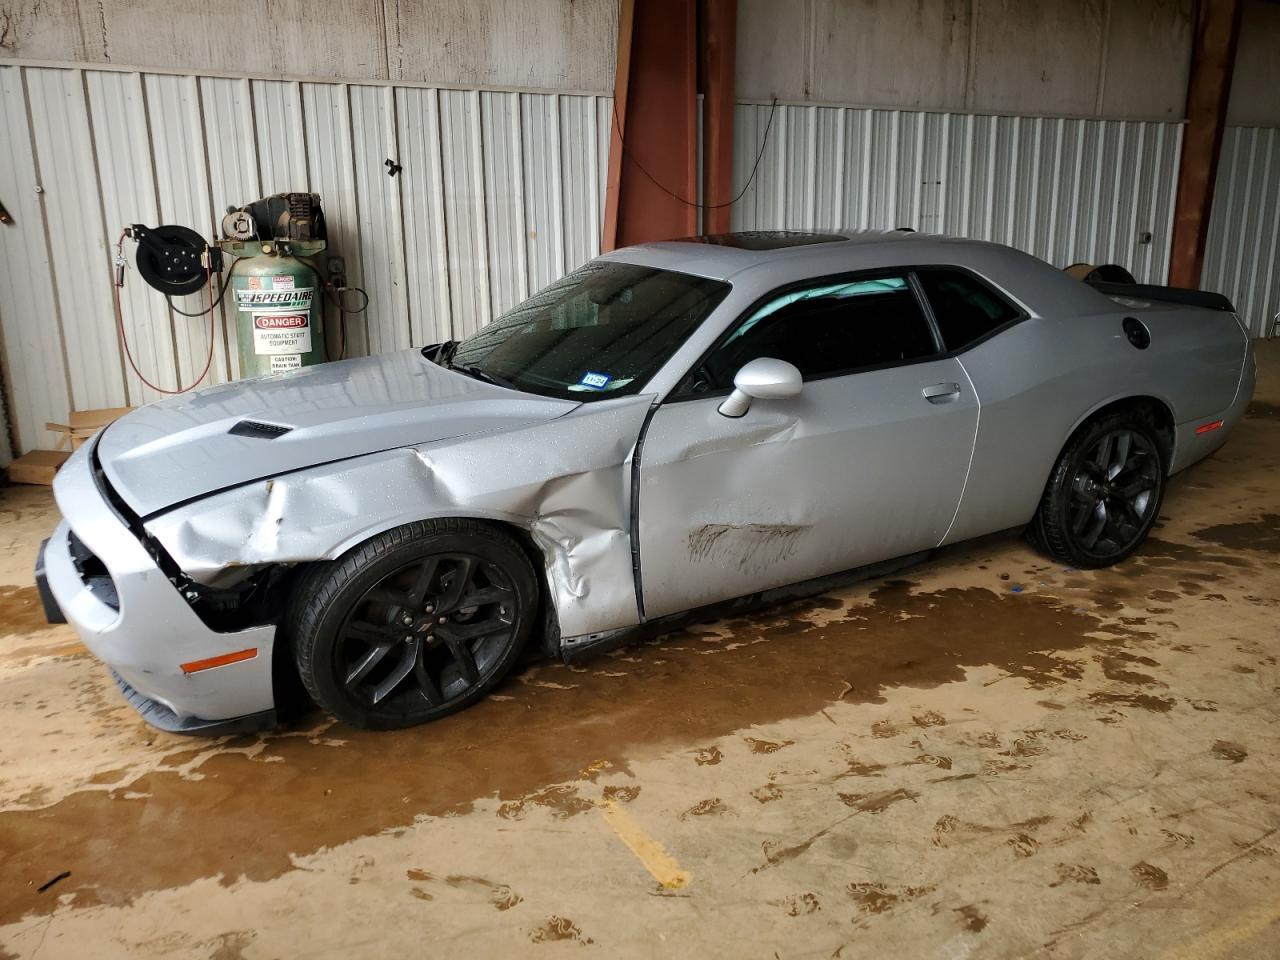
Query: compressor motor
[[276, 288]]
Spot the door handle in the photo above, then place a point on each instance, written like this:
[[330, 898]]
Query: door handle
[[941, 392]]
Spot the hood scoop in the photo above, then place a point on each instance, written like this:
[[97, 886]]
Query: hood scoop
[[258, 430]]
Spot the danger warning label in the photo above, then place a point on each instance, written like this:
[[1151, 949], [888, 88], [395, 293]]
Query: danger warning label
[[277, 333]]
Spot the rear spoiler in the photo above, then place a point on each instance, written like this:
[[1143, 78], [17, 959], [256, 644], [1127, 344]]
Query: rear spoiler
[[1148, 291]]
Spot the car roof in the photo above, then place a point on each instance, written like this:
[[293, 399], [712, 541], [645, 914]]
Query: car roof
[[766, 259], [720, 256]]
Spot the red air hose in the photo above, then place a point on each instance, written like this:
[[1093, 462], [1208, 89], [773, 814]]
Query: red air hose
[[124, 339]]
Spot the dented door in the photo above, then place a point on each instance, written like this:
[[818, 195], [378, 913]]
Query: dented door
[[857, 469]]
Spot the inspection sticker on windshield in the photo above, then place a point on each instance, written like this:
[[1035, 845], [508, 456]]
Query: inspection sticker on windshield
[[595, 381]]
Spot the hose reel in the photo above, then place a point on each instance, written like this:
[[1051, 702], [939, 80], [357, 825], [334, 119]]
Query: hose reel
[[171, 258]]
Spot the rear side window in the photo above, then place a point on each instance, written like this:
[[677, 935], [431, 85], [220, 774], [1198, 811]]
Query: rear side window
[[966, 308], [828, 328]]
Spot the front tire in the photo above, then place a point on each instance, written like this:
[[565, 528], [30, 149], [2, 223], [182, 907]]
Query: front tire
[[1104, 493], [414, 624]]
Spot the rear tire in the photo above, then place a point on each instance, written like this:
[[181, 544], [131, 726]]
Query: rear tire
[[413, 624], [1104, 493]]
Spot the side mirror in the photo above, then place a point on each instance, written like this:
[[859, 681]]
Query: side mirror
[[763, 379]]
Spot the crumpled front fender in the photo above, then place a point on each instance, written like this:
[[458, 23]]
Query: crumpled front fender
[[567, 482]]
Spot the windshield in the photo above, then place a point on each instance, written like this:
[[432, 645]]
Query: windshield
[[601, 331]]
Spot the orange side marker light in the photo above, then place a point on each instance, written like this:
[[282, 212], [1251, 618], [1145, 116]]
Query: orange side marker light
[[195, 666]]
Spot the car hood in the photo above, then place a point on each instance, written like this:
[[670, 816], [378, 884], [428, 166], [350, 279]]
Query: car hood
[[183, 447]]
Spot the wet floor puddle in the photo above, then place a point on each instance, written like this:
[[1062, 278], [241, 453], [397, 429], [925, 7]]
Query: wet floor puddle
[[21, 611], [1262, 534], [247, 815]]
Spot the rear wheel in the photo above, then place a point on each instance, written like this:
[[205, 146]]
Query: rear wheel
[[414, 624], [1104, 493]]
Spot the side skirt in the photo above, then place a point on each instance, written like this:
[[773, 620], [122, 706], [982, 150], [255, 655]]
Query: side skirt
[[574, 649]]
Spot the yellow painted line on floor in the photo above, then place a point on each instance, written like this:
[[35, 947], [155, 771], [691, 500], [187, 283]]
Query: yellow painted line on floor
[[660, 864], [1218, 942]]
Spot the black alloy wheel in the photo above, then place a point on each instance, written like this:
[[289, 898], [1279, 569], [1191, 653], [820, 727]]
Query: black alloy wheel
[[414, 624], [1112, 493], [1104, 493], [431, 629]]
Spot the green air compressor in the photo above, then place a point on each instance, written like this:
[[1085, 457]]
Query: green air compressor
[[275, 291], [272, 288]]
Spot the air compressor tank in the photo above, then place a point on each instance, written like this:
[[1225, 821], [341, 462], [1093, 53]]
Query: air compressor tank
[[279, 312]]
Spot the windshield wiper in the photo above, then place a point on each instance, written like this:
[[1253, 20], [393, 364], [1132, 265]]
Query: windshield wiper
[[443, 356], [442, 353], [473, 371]]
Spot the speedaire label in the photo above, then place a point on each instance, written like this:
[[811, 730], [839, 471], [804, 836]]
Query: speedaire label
[[280, 333], [298, 298]]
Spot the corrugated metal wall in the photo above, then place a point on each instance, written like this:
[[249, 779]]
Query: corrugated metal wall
[[1242, 257], [1065, 190], [501, 192]]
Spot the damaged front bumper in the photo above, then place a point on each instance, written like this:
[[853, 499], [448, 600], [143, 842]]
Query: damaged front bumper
[[131, 616]]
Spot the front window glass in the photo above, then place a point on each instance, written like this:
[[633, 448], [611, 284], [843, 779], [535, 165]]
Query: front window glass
[[832, 327], [601, 331]]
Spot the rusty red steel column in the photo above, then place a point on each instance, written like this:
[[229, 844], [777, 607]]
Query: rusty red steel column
[[652, 187], [618, 123], [719, 46], [1213, 58]]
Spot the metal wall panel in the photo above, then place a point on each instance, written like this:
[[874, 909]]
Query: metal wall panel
[[181, 162], [1064, 190], [35, 364], [500, 192], [463, 155], [373, 121], [544, 208], [426, 244], [1242, 257], [76, 237], [277, 118], [582, 175], [119, 119], [504, 200], [227, 109], [331, 174]]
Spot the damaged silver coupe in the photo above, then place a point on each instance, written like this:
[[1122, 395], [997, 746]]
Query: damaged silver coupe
[[668, 428]]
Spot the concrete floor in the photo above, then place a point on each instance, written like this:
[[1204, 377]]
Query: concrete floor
[[992, 756]]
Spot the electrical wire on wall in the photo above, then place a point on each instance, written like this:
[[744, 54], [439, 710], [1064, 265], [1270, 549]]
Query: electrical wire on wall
[[755, 167], [335, 293]]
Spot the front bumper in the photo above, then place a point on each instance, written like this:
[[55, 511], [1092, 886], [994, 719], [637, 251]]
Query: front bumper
[[146, 631]]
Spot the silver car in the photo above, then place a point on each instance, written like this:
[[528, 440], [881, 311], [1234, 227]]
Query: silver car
[[670, 427]]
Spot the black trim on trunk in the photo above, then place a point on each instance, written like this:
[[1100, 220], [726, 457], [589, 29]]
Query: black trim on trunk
[[1181, 295]]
